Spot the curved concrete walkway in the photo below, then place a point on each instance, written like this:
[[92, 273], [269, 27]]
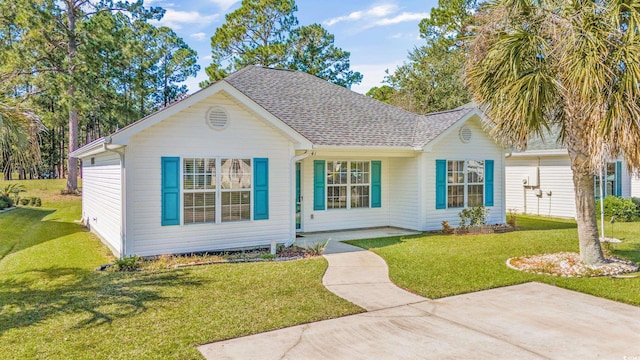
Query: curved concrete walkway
[[527, 321], [362, 278]]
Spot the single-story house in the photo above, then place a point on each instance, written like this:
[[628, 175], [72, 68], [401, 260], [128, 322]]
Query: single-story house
[[539, 179], [265, 153]]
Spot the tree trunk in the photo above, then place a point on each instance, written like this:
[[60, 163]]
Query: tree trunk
[[583, 183], [72, 168]]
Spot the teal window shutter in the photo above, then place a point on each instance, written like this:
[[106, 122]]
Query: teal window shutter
[[376, 184], [618, 178], [441, 184], [319, 178], [170, 191], [488, 183], [260, 189]]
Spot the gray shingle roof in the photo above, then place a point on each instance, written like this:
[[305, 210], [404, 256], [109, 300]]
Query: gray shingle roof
[[549, 141], [328, 114]]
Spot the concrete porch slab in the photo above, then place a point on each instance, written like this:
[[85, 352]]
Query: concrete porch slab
[[357, 234]]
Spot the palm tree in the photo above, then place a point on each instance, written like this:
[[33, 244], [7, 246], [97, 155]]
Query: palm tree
[[19, 139], [536, 64]]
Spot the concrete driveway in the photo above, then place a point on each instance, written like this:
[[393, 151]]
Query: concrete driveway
[[528, 321]]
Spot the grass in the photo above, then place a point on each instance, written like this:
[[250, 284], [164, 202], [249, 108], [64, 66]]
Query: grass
[[436, 266], [53, 304]]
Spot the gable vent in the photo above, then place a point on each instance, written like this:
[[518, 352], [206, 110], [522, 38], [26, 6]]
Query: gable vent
[[217, 118], [465, 134]]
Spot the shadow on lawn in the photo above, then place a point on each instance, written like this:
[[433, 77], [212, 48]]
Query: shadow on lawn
[[37, 232], [632, 254], [98, 298]]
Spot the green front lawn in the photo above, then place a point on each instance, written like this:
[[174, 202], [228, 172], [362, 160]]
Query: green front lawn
[[436, 265], [53, 304]]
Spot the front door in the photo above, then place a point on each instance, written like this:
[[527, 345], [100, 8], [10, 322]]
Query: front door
[[298, 199]]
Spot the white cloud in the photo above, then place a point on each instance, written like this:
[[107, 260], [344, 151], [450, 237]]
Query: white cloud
[[379, 15], [373, 12], [404, 17], [224, 4], [176, 18], [373, 74], [198, 36]]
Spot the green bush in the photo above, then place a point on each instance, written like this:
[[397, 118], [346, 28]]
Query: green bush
[[25, 201], [473, 216], [33, 201], [38, 202], [620, 209], [3, 204], [129, 263], [7, 200]]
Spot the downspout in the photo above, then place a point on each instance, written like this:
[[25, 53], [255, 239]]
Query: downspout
[[294, 159], [123, 194]]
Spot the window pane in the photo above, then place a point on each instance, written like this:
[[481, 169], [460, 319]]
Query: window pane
[[475, 195], [475, 171], [236, 173], [236, 205], [455, 196], [359, 172], [210, 172], [188, 199], [337, 197], [336, 172], [188, 166], [360, 196], [455, 172], [198, 206]]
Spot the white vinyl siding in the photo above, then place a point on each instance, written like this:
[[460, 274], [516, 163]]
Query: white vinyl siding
[[557, 196], [481, 147], [102, 198], [187, 135], [404, 193]]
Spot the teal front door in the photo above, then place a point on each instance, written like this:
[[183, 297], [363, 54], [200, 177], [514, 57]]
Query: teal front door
[[298, 199]]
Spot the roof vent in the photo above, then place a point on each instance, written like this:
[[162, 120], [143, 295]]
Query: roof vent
[[465, 134], [217, 118]]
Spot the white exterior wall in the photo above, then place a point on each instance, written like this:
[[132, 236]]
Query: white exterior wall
[[187, 135], [338, 219], [404, 193], [102, 198], [555, 176], [634, 186], [450, 147]]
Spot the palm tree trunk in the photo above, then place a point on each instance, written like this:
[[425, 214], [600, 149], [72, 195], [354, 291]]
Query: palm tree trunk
[[583, 183]]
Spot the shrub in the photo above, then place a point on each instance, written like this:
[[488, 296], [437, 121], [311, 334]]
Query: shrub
[[317, 248], [3, 204], [446, 228], [473, 216], [620, 209], [33, 201], [637, 202], [6, 199], [38, 202], [512, 217], [129, 263], [25, 201]]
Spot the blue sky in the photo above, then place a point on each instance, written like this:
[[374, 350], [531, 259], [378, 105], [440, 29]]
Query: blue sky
[[379, 34]]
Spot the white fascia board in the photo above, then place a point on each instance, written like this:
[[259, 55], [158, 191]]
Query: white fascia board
[[387, 151], [455, 126], [92, 148], [536, 153], [123, 136]]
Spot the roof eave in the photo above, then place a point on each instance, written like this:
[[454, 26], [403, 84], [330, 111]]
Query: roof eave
[[92, 148], [535, 153]]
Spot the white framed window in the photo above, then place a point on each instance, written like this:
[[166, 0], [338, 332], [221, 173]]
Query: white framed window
[[465, 183], [204, 201], [348, 184], [610, 177], [235, 184], [199, 190]]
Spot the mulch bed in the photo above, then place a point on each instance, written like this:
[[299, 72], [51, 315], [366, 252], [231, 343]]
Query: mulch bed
[[568, 264]]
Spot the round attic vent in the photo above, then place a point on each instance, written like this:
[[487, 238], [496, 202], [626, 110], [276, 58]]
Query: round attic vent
[[465, 134], [217, 118]]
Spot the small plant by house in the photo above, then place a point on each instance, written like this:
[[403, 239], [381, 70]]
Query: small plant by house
[[512, 217], [129, 263], [317, 248], [31, 201], [621, 209], [446, 228], [473, 217]]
